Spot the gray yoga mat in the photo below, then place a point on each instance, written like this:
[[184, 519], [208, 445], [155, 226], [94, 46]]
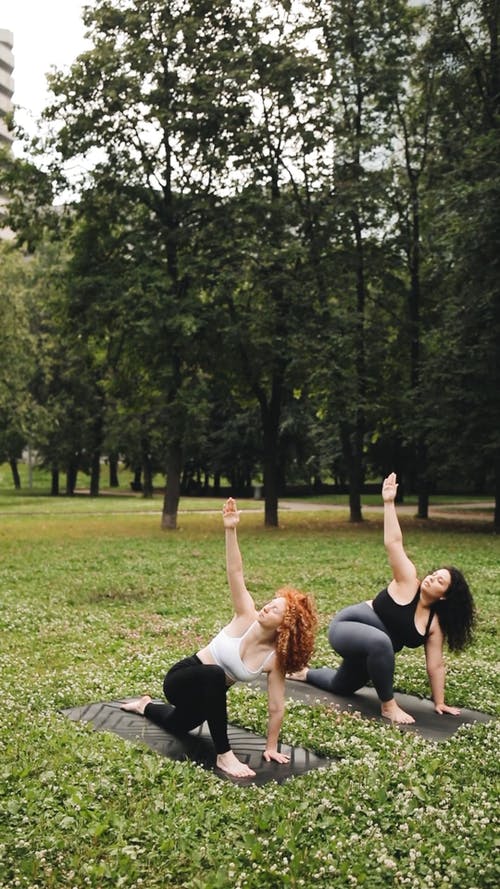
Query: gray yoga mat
[[197, 746], [427, 723]]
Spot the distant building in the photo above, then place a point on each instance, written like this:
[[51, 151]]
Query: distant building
[[6, 106], [6, 83]]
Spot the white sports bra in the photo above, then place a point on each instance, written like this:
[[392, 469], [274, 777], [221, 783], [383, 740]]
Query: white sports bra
[[225, 651]]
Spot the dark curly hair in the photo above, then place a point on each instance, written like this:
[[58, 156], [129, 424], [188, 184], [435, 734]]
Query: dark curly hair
[[456, 613], [296, 633]]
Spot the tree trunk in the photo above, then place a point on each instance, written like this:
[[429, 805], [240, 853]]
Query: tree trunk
[[354, 461], [95, 463], [356, 439], [414, 300], [270, 413], [15, 473], [423, 502], [54, 485], [173, 489], [136, 484], [95, 472], [356, 471], [496, 514], [147, 490], [423, 484], [71, 476], [270, 493], [113, 471], [355, 486], [355, 511]]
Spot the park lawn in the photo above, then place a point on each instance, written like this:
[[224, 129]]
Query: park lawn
[[97, 606]]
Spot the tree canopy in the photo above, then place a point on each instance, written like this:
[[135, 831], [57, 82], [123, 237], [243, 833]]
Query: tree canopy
[[277, 258]]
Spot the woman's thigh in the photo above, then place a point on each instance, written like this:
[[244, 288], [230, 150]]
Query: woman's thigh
[[190, 682], [356, 631]]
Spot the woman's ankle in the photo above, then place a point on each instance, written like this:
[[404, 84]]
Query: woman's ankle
[[392, 711]]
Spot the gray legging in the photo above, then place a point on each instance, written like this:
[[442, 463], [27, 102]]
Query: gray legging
[[362, 639]]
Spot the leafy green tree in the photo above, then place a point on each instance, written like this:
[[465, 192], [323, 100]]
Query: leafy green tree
[[17, 357], [365, 48], [263, 285], [463, 370], [153, 102], [262, 230], [59, 384], [401, 426], [28, 205]]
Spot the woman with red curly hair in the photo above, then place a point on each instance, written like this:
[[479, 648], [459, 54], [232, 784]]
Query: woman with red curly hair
[[275, 640]]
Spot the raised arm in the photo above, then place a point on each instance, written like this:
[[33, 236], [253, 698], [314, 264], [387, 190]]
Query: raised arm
[[403, 570], [242, 601]]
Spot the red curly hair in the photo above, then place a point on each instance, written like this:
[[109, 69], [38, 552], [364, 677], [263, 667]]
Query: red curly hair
[[296, 634]]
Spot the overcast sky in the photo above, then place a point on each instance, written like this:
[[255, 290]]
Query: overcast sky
[[47, 33]]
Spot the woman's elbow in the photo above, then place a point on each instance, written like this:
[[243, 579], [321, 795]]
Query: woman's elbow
[[276, 711], [435, 668]]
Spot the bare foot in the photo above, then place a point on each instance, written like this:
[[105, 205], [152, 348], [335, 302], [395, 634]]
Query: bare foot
[[390, 710], [230, 764], [138, 705], [299, 675]]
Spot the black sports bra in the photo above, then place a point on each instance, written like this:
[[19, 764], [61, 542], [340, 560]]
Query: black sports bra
[[399, 620]]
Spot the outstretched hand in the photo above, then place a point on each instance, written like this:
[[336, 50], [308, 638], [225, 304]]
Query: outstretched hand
[[269, 755], [230, 514], [443, 708], [389, 488]]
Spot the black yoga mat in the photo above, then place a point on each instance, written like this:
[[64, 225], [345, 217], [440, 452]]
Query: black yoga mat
[[197, 746]]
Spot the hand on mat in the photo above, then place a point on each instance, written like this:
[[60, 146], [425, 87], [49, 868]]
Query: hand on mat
[[443, 708], [230, 513], [275, 756]]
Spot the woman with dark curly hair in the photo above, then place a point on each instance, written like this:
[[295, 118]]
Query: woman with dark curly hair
[[408, 612], [274, 640]]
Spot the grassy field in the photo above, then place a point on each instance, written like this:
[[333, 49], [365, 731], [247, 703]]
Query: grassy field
[[96, 602]]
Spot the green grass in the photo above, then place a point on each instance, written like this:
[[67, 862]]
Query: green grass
[[96, 602]]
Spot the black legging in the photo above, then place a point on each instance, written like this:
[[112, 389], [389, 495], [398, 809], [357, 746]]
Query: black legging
[[198, 692], [362, 639]]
